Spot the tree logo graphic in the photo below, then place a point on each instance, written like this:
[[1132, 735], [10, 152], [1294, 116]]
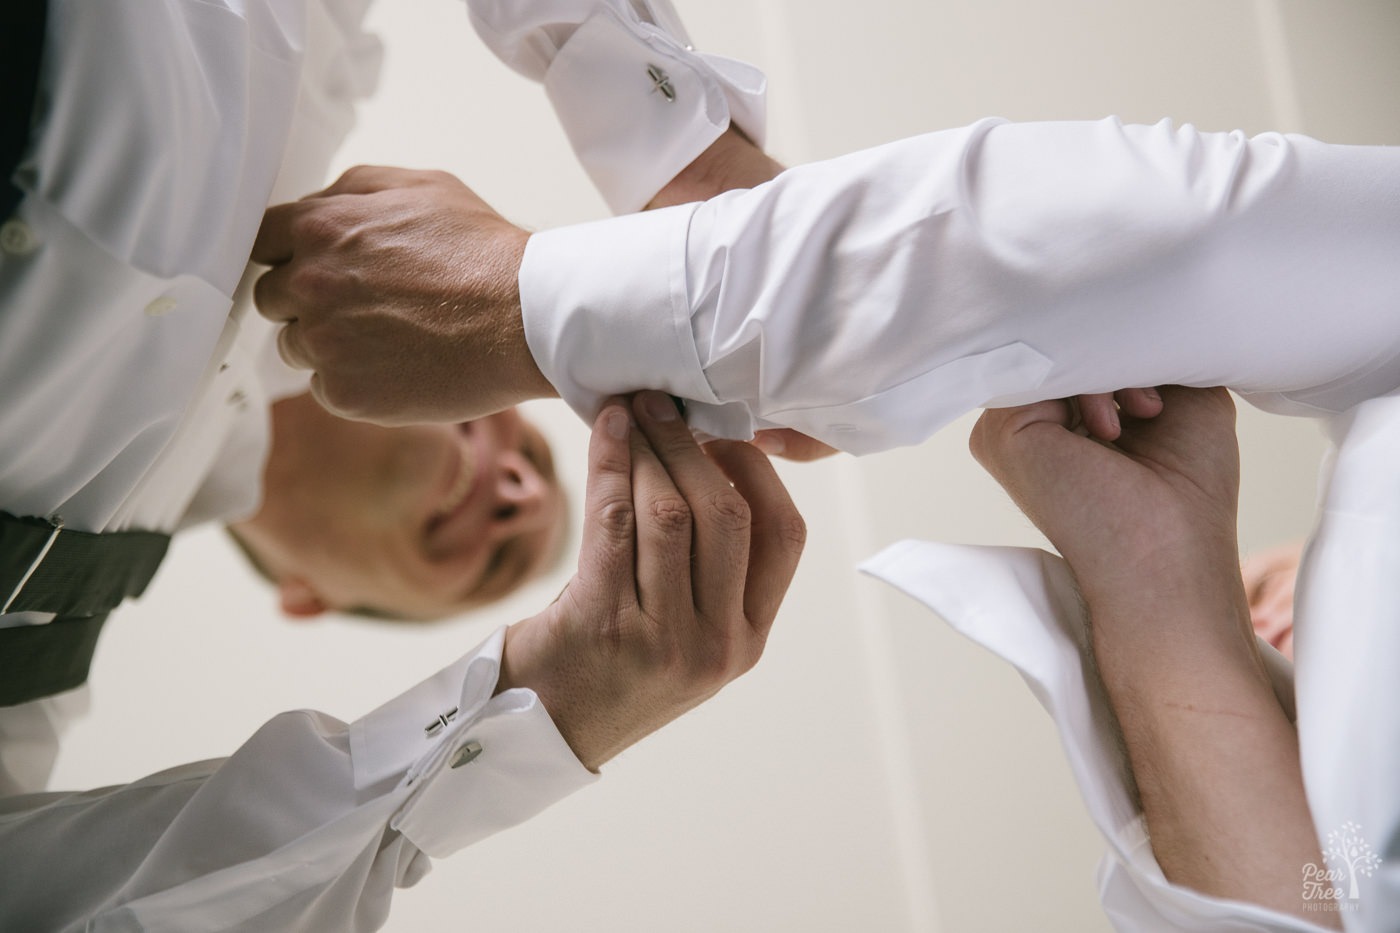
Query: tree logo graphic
[[1336, 885], [1348, 853], [1348, 858]]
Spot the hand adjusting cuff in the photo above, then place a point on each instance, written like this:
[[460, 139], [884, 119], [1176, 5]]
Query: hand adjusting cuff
[[639, 105]]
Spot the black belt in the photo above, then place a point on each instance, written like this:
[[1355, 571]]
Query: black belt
[[21, 47], [78, 576]]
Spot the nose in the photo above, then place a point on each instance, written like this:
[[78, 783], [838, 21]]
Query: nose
[[521, 496]]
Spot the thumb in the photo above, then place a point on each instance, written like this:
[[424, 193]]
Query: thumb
[[1000, 437]]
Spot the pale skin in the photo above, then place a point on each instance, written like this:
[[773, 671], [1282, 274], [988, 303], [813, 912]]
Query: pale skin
[[1148, 527]]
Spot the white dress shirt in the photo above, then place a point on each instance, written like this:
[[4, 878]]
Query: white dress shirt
[[136, 386], [869, 300]]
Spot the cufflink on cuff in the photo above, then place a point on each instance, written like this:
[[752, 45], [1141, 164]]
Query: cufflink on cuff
[[661, 81], [437, 725]]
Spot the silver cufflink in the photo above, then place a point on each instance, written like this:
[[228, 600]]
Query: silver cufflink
[[661, 81], [467, 753], [437, 725]]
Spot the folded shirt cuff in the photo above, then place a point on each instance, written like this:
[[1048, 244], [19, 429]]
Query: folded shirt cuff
[[638, 106], [474, 763], [1022, 605], [597, 325]]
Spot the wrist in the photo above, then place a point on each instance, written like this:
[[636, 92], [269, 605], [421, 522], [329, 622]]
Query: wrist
[[1179, 647], [730, 162], [530, 660], [525, 380]]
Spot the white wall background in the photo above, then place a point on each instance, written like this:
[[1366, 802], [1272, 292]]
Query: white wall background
[[874, 772]]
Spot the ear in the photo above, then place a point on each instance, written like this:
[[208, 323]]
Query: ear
[[299, 600]]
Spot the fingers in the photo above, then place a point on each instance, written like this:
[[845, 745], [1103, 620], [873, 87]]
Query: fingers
[[277, 236], [1139, 403], [274, 241], [1099, 413], [664, 532], [1102, 412], [272, 294], [777, 533], [720, 516], [289, 348], [792, 445], [607, 554]]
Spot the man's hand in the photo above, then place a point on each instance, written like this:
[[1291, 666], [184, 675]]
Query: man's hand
[[399, 290], [1156, 510], [679, 580], [1148, 528]]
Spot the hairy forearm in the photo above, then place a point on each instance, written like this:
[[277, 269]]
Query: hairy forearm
[[1214, 755]]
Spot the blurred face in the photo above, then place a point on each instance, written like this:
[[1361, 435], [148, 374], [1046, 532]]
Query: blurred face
[[417, 521]]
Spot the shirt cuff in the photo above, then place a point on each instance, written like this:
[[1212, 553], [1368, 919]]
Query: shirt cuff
[[639, 106], [475, 764], [605, 309], [1022, 605]]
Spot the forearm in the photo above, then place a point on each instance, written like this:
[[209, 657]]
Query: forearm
[[1213, 755]]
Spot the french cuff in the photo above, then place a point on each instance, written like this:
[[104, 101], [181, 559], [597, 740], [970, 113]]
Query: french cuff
[[638, 106], [606, 312], [472, 764]]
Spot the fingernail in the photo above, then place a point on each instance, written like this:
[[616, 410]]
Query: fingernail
[[616, 423], [1152, 394], [771, 444], [659, 407]]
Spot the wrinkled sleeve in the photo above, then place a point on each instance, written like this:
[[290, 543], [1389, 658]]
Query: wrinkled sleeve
[[1347, 642], [636, 100], [869, 300], [308, 826]]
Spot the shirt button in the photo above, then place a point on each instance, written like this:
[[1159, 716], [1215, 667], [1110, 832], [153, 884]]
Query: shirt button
[[161, 306], [17, 239]]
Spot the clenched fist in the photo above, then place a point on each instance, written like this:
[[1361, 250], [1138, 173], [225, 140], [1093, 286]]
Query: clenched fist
[[399, 290]]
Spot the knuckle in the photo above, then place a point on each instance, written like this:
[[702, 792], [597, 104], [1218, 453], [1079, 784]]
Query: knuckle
[[356, 172], [611, 463], [616, 518], [791, 531], [317, 226], [729, 510], [670, 514], [438, 177], [307, 281]]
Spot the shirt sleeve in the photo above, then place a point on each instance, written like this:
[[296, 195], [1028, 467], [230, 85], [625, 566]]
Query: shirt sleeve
[[635, 98], [307, 827], [871, 299], [1022, 605]]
